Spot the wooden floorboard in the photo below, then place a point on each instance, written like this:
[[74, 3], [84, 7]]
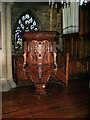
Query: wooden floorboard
[[64, 102]]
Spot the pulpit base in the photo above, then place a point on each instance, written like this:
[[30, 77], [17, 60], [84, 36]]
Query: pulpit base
[[40, 88]]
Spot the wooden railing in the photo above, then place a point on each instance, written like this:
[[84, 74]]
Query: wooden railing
[[78, 47], [74, 60], [63, 67]]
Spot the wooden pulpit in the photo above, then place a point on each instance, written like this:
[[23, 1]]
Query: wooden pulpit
[[41, 60], [39, 57]]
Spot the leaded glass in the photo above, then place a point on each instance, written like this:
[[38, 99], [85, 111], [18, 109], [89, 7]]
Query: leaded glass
[[31, 20], [17, 31], [19, 21], [27, 16], [18, 28], [27, 29], [34, 23], [36, 29], [25, 24], [22, 26], [23, 18], [32, 26]]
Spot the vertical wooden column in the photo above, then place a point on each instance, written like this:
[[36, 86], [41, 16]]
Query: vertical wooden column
[[72, 46], [83, 20], [67, 67]]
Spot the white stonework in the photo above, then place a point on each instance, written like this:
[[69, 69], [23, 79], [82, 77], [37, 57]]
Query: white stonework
[[6, 80], [12, 83], [4, 85], [0, 63]]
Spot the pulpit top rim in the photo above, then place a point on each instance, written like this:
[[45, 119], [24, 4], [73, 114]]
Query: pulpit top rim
[[42, 32], [40, 35]]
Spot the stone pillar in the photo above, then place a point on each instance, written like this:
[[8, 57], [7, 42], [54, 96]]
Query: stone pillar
[[6, 79], [0, 66], [4, 84], [9, 44], [0, 44]]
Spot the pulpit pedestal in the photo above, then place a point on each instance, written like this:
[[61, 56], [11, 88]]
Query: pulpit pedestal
[[39, 57]]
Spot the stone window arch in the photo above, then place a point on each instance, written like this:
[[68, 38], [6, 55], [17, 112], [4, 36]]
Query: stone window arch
[[25, 23]]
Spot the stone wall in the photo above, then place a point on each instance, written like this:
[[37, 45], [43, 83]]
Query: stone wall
[[0, 63], [39, 11], [47, 18]]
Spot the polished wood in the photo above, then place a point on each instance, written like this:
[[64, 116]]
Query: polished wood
[[39, 61], [77, 45], [62, 72], [84, 19], [68, 64], [39, 56], [40, 35], [64, 102]]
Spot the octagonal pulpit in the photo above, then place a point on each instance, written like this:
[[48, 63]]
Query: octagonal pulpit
[[39, 57]]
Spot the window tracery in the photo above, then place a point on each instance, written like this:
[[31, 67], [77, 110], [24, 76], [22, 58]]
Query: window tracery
[[25, 24]]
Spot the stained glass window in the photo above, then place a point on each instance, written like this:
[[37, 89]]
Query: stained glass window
[[24, 24]]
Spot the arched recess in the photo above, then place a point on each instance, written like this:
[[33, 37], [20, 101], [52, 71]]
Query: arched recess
[[25, 23]]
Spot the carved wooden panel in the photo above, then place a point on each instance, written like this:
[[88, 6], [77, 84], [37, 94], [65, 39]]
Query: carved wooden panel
[[39, 53]]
